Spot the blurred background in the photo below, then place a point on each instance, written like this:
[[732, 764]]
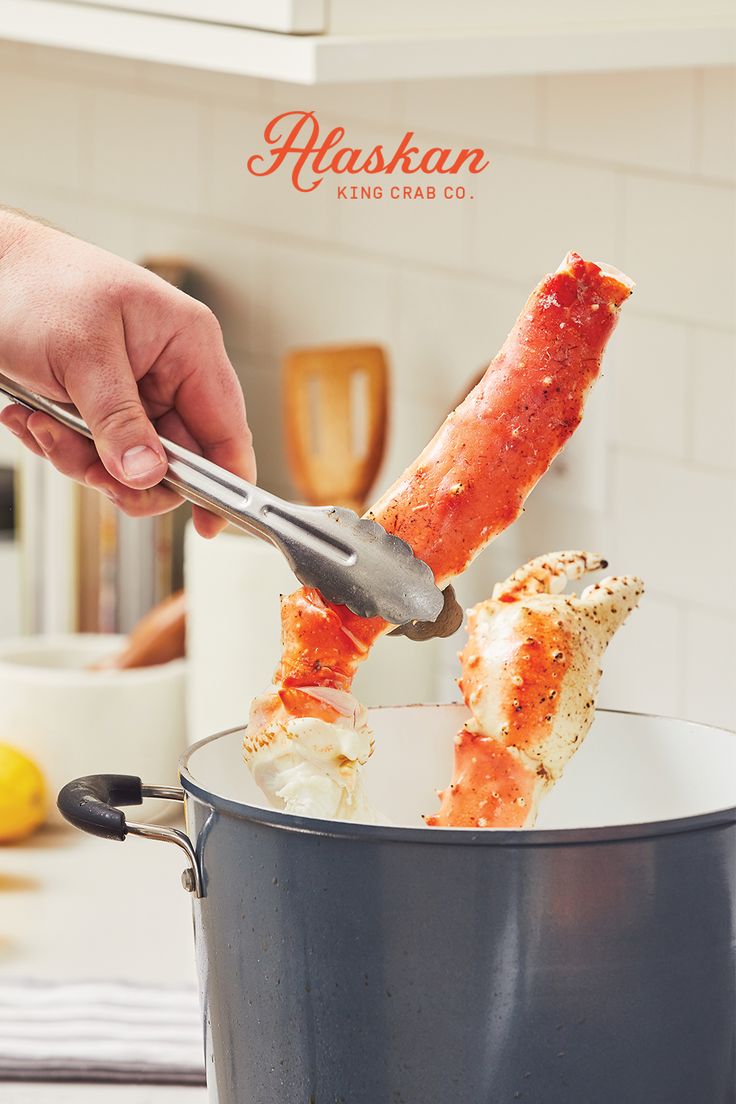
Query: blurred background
[[636, 168]]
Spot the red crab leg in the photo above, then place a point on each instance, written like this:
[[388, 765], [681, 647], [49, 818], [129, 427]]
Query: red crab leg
[[530, 674], [307, 736], [470, 482]]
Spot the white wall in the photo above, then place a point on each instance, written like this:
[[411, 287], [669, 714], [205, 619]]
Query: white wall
[[636, 169]]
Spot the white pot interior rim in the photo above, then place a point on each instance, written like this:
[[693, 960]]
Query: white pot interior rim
[[635, 776]]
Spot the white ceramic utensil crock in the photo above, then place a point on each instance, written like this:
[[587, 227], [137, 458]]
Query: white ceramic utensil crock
[[72, 720]]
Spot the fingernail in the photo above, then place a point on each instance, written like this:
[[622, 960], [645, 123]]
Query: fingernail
[[139, 461], [42, 438]]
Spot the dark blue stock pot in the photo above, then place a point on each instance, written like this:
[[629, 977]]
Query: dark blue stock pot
[[589, 960]]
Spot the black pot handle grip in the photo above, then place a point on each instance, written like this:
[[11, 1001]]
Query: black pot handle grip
[[90, 803]]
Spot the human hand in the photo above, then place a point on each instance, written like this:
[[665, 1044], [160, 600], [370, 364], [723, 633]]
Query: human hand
[[83, 326]]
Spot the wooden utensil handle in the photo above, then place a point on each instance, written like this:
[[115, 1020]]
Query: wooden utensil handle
[[159, 637]]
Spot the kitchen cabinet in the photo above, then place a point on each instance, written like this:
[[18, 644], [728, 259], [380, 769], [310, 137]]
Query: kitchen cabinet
[[312, 42], [292, 16], [351, 17]]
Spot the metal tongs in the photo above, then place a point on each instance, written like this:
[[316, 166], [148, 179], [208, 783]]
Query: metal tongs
[[352, 561]]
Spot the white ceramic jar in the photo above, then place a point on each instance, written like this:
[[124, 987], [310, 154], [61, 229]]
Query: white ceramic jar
[[74, 721]]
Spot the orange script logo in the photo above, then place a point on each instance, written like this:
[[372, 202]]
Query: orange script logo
[[295, 141]]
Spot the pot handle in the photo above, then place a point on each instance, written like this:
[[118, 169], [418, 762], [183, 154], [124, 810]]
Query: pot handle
[[91, 804]]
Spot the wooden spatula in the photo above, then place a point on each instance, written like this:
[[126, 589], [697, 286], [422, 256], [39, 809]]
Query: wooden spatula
[[335, 413], [158, 637]]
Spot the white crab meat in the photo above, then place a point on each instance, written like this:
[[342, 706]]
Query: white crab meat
[[311, 767]]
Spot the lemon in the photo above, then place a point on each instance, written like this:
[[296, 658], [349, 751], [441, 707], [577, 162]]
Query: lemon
[[22, 795]]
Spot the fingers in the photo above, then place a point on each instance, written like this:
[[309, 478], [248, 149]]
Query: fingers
[[210, 413], [209, 399], [211, 405], [207, 525], [103, 388], [147, 503], [15, 419], [70, 453], [77, 458], [171, 426], [124, 374]]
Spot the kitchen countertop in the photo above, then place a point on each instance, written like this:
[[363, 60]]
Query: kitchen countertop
[[100, 1094], [73, 907]]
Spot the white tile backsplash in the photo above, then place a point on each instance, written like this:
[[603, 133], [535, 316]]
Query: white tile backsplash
[[713, 392], [634, 168], [448, 329], [486, 112], [717, 137], [650, 366], [710, 667], [320, 297], [260, 203], [642, 669], [674, 526], [679, 247], [146, 149], [530, 210], [371, 102], [41, 127], [220, 87], [643, 119]]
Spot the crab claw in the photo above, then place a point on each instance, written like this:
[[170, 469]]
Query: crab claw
[[547, 575], [610, 602], [530, 674]]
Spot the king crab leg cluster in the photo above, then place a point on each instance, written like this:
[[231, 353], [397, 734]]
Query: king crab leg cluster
[[530, 674], [307, 736]]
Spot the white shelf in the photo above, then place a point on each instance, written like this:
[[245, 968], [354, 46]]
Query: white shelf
[[322, 59]]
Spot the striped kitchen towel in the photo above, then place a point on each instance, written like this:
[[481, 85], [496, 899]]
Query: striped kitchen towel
[[100, 1031]]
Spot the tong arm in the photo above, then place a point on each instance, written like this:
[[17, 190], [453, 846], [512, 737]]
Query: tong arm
[[353, 561], [205, 484]]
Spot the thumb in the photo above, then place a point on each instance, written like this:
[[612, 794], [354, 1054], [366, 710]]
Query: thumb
[[107, 398]]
